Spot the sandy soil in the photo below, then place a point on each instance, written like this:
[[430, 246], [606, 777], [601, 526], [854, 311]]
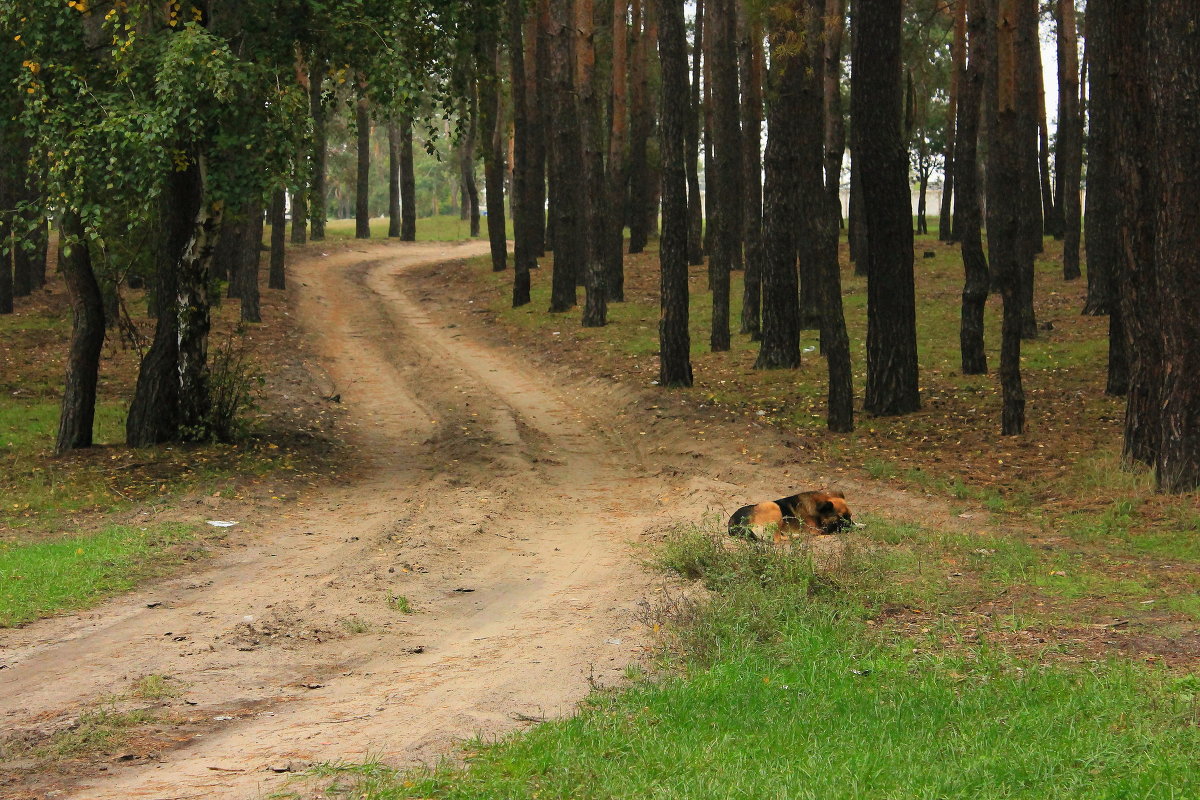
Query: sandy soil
[[501, 507], [502, 498]]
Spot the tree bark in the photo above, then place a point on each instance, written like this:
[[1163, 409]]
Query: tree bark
[[7, 240], [277, 277], [566, 153], [615, 178], [538, 95], [675, 367], [780, 347], [523, 208], [1004, 217], [948, 227], [87, 338], [639, 134], [320, 151], [1029, 201], [1100, 218], [751, 67], [1051, 213], [394, 224], [727, 167], [492, 119], [1175, 85], [968, 218], [1138, 290], [408, 183], [249, 263], [171, 402], [819, 221], [876, 113], [692, 148], [300, 203], [1069, 147], [362, 185], [835, 122], [595, 305]]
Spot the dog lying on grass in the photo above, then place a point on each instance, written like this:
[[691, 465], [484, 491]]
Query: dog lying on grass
[[808, 512]]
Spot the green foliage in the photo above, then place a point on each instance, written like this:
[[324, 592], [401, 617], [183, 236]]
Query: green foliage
[[231, 380]]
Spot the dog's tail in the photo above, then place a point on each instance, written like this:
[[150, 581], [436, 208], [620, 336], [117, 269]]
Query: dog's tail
[[739, 523]]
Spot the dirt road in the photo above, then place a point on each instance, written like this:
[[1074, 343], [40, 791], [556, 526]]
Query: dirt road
[[500, 503]]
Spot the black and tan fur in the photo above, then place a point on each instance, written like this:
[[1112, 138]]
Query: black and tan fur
[[807, 512]]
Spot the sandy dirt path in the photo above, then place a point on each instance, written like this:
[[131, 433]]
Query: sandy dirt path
[[499, 495], [499, 502]]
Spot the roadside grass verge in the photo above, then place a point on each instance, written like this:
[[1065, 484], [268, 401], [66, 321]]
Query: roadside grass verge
[[65, 574], [776, 684]]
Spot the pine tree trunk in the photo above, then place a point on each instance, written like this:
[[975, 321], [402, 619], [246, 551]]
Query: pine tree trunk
[[1069, 146], [727, 166], [300, 203], [1051, 216], [819, 220], [87, 339], [639, 132], [1100, 217], [1175, 86], [7, 241], [675, 367], [780, 347], [968, 217], [249, 265], [751, 66], [537, 98], [948, 227], [492, 120], [408, 183], [1137, 280], [320, 150], [362, 185], [1029, 200], [876, 114], [692, 149], [615, 178], [277, 277], [835, 122], [1004, 217], [567, 188], [523, 208], [394, 225], [595, 305]]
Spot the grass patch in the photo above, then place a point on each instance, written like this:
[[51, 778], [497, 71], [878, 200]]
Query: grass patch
[[400, 603], [776, 685], [45, 577], [98, 731]]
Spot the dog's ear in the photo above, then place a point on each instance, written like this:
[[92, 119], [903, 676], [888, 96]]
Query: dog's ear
[[836, 494], [824, 507]]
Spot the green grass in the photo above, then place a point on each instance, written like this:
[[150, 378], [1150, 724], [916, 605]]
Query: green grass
[[777, 686], [96, 731], [64, 574]]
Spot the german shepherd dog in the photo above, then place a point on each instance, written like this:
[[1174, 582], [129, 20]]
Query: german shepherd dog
[[810, 512]]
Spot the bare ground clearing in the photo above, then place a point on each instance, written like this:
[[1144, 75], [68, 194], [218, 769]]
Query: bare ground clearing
[[501, 499]]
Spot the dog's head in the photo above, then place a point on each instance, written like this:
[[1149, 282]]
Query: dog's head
[[833, 515]]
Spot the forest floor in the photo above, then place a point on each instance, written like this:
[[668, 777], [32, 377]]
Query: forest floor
[[468, 559]]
